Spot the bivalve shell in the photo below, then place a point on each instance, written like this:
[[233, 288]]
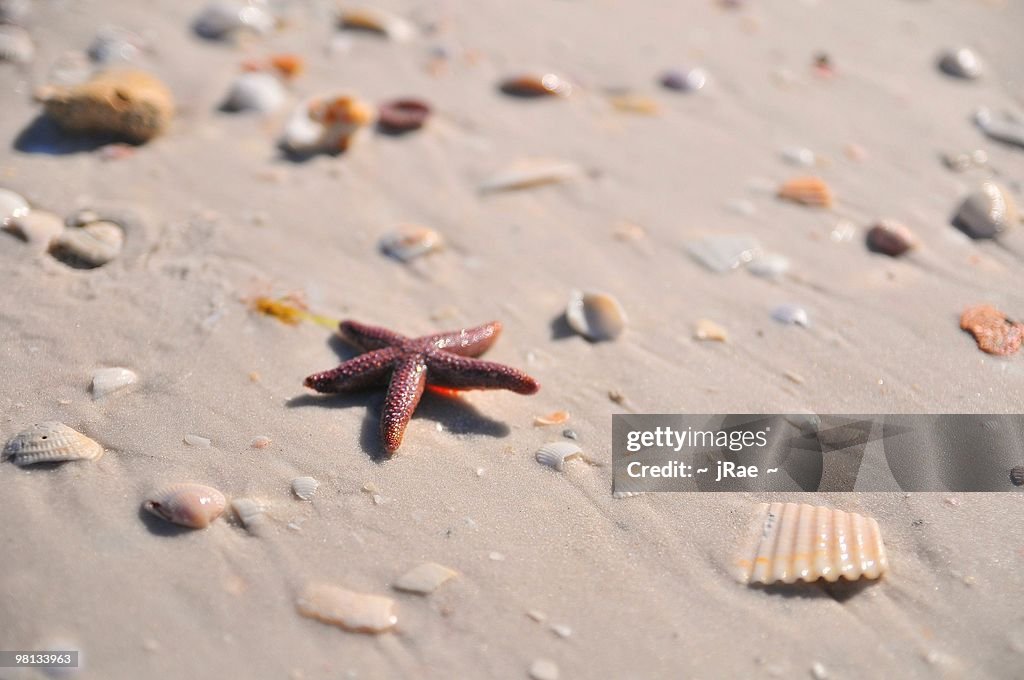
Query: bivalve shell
[[251, 513], [107, 380], [424, 579], [1008, 128], [891, 238], [1017, 475], [788, 542], [791, 314], [16, 45], [222, 18], [403, 115], [188, 504], [810, 191], [410, 241], [373, 20], [50, 442], [12, 206], [255, 91], [537, 85], [595, 316], [555, 454], [93, 245], [987, 212], [352, 611], [961, 63], [305, 488]]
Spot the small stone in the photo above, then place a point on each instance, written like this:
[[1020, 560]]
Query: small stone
[[570, 434], [891, 238], [799, 156], [544, 669], [684, 80], [496, 557], [961, 63]]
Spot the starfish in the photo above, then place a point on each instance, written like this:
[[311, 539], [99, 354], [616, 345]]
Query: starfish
[[408, 365]]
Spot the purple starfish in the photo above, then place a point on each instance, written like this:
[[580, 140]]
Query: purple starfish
[[408, 365]]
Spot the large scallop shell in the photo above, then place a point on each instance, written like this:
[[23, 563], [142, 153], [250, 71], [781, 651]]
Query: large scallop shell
[[107, 380], [356, 612], [790, 542], [326, 123], [50, 442], [188, 504], [812, 191], [93, 245], [595, 316], [987, 212], [424, 579], [555, 454]]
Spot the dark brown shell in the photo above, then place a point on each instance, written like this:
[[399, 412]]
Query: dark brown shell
[[890, 238], [403, 115]]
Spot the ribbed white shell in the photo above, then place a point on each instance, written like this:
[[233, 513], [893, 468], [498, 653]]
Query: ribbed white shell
[[50, 442], [555, 454], [304, 487], [790, 542]]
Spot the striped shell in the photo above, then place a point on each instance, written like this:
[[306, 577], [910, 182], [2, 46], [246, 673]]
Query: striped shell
[[790, 542], [356, 612], [812, 191], [50, 442], [304, 487], [595, 316], [188, 504], [555, 454], [1017, 475], [987, 212], [251, 513]]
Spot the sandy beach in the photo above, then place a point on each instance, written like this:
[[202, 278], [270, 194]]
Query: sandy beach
[[551, 566]]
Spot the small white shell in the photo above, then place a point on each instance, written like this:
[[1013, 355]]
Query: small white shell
[[961, 63], [555, 454], [1008, 128], [800, 156], [595, 316], [221, 18], [50, 442], [257, 91], [531, 172], [12, 206], [93, 245], [424, 579], [789, 542], [769, 266], [16, 45], [38, 228], [987, 212], [543, 669], [791, 314], [107, 380], [356, 612], [304, 487], [251, 513], [196, 441], [387, 24], [410, 241], [188, 504]]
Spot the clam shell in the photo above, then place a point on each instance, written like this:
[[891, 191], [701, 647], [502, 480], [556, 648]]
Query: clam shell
[[769, 265], [987, 212], [373, 20], [424, 579], [188, 504], [352, 611], [16, 45], [811, 191], [537, 85], [961, 63], [107, 380], [684, 80], [50, 442], [93, 245], [791, 314], [555, 454], [326, 123], [595, 316], [12, 206], [258, 91], [196, 441], [531, 172], [890, 238], [788, 542], [130, 104], [251, 513], [410, 241], [38, 228], [304, 487], [221, 18]]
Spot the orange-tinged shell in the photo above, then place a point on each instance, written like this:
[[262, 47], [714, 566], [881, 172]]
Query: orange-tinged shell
[[994, 333], [352, 611], [188, 504], [537, 85], [792, 542], [812, 191]]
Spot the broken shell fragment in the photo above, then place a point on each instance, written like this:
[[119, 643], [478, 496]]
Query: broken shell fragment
[[107, 380], [709, 330], [50, 442], [960, 63], [16, 44], [987, 212], [188, 504], [373, 20], [90, 246], [410, 241], [304, 488], [327, 123], [555, 454], [890, 237], [531, 172], [251, 513], [994, 333], [355, 612], [222, 18], [554, 418], [257, 91], [810, 191], [402, 115], [595, 316], [788, 542], [12, 206], [125, 103], [424, 579], [537, 85]]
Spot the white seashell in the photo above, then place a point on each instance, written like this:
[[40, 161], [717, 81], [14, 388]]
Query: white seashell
[[543, 669], [424, 579], [107, 380], [788, 542], [726, 252], [221, 18], [987, 212], [16, 44], [411, 241], [114, 44], [799, 155], [531, 172], [188, 504], [791, 314], [93, 245], [769, 266], [50, 442], [595, 316], [257, 91], [38, 228], [684, 80], [304, 487], [356, 612], [251, 513], [387, 24], [555, 454], [326, 123], [12, 206], [196, 441], [961, 63], [1009, 129]]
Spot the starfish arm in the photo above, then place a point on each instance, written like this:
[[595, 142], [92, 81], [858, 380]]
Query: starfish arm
[[368, 337], [366, 370], [460, 373], [468, 342], [407, 383]]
